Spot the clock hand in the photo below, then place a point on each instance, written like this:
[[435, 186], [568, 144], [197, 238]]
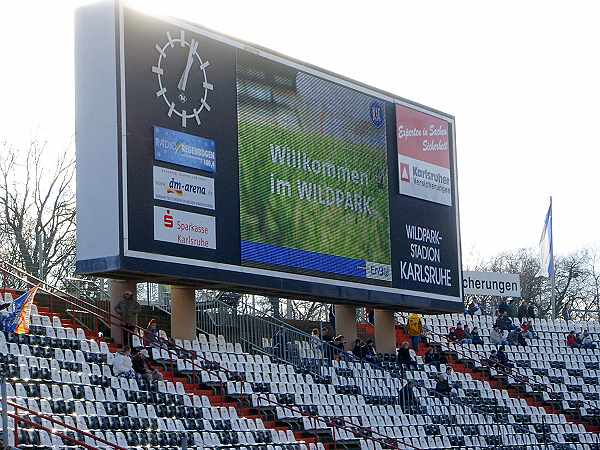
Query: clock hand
[[190, 60]]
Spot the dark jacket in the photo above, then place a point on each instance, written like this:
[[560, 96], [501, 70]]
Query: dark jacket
[[522, 311], [504, 323], [128, 309], [403, 356]]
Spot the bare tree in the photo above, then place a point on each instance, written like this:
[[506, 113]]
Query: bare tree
[[37, 210], [577, 280]]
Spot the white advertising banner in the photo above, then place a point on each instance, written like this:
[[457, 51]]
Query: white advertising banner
[[184, 188], [423, 180], [491, 283], [185, 228]]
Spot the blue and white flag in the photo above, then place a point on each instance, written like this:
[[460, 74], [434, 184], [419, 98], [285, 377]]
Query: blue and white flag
[[17, 316], [546, 246]]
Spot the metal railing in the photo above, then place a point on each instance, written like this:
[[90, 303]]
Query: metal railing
[[266, 335], [84, 312], [22, 415]]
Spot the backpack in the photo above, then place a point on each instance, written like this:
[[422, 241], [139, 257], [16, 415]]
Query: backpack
[[413, 327]]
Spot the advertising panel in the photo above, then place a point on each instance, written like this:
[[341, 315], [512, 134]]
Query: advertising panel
[[491, 283], [226, 165], [184, 228], [184, 149], [184, 188], [423, 156]]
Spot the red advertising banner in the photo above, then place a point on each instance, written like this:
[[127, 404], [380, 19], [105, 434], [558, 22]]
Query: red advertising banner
[[423, 156]]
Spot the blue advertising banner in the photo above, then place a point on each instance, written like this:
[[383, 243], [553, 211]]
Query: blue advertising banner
[[184, 149]]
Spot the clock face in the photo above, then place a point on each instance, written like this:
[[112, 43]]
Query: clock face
[[182, 80]]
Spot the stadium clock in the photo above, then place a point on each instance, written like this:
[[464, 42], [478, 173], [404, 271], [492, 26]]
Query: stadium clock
[[182, 80]]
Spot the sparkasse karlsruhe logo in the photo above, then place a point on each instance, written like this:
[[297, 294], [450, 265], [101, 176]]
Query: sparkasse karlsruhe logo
[[184, 228], [405, 172]]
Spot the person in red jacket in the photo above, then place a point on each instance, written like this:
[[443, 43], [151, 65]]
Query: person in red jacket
[[457, 334], [571, 340]]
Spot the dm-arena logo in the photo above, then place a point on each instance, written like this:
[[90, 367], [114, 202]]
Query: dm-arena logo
[[183, 188]]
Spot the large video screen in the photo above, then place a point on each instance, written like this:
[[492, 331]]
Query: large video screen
[[313, 174], [214, 163]]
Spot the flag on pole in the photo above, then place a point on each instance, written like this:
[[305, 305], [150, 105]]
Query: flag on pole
[[546, 246], [17, 317]]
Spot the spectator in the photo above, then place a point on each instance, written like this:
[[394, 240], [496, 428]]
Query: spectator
[[414, 328], [315, 340], [122, 364], [467, 338], [587, 341], [128, 308], [434, 357], [457, 334], [513, 308], [505, 323], [474, 309], [516, 338], [442, 385], [497, 336], [503, 358], [327, 337], [523, 309], [475, 338], [152, 334], [359, 349], [572, 340], [369, 350], [407, 397], [141, 366], [531, 311], [338, 343], [527, 330], [493, 359], [502, 307], [431, 357], [403, 357]]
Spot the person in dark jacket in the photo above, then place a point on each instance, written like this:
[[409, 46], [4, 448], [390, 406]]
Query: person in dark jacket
[[407, 397], [523, 309], [505, 323], [403, 357], [502, 306], [475, 337], [359, 349], [531, 311], [128, 309], [502, 358], [513, 308], [443, 385]]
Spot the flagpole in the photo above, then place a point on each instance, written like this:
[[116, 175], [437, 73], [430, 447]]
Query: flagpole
[[553, 274]]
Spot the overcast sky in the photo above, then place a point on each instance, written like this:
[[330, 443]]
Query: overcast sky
[[521, 78]]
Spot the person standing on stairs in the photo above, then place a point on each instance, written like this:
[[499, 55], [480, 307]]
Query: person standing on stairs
[[414, 328], [128, 309]]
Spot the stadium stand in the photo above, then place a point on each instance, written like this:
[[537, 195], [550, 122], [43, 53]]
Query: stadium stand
[[561, 378], [217, 395]]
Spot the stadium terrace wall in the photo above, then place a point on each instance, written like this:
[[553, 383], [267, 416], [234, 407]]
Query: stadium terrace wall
[[210, 162]]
